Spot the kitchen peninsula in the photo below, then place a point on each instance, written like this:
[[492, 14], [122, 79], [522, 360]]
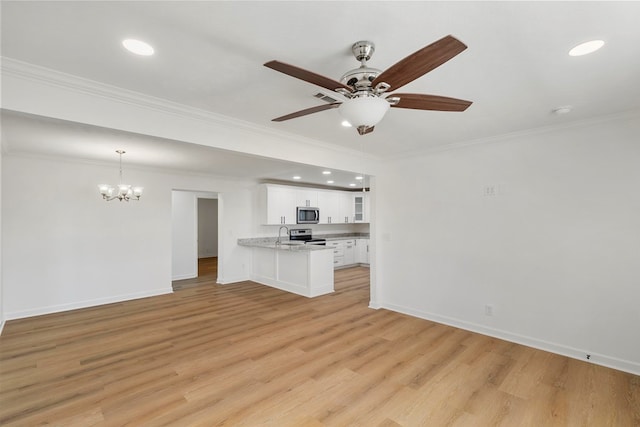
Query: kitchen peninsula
[[305, 270]]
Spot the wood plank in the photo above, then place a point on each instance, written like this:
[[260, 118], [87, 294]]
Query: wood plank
[[246, 354]]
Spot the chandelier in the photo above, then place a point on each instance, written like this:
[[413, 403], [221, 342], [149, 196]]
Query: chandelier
[[121, 191]]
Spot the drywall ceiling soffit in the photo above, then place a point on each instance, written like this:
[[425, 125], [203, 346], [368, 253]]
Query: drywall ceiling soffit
[[27, 134]]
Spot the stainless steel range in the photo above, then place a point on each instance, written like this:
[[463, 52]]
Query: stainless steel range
[[305, 236]]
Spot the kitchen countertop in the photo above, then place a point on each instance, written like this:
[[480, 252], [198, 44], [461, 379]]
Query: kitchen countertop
[[342, 236], [270, 243]]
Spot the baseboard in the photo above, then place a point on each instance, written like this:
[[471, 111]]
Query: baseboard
[[85, 304], [340, 267], [2, 326], [184, 276], [229, 280], [207, 256], [574, 353]]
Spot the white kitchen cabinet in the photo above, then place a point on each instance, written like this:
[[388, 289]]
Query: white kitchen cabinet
[[336, 207], [346, 252], [338, 252], [349, 252], [362, 251], [346, 207], [329, 205], [281, 205], [360, 203], [306, 197]]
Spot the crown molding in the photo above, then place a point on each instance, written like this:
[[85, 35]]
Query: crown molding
[[35, 73], [161, 170], [630, 114]]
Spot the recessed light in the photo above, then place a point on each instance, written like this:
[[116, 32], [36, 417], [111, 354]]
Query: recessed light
[[326, 172], [352, 185], [346, 124], [138, 47], [329, 182], [562, 110], [358, 178], [586, 48], [297, 177]]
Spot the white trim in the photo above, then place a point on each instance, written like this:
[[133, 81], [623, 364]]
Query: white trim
[[231, 280], [184, 276], [2, 326], [574, 353], [34, 73], [516, 135], [86, 304]]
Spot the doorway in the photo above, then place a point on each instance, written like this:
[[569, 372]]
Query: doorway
[[207, 238], [194, 238]]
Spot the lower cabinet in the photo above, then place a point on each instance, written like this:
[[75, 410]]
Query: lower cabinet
[[362, 251], [338, 252], [349, 252]]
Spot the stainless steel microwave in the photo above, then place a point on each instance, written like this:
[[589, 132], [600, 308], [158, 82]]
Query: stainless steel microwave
[[307, 215]]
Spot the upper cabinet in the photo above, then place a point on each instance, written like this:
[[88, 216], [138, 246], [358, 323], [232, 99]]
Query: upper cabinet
[[336, 207], [307, 197], [360, 207], [280, 204]]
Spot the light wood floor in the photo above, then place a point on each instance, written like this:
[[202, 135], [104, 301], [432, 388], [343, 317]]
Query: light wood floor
[[207, 275], [249, 355]]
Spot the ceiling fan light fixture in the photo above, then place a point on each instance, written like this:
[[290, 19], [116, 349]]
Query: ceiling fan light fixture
[[364, 111]]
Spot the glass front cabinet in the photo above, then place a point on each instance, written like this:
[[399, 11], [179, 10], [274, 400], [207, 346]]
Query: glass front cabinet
[[361, 207]]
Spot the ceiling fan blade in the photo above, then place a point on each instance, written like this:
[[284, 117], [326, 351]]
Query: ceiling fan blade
[[363, 130], [307, 76], [418, 101], [307, 111], [420, 62]]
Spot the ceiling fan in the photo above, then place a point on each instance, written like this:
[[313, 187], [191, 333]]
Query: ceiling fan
[[366, 90]]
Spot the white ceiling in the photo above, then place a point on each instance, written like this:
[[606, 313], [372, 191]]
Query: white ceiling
[[209, 55]]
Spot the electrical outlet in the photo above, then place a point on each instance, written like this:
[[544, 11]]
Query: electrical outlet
[[488, 310], [489, 190], [493, 190]]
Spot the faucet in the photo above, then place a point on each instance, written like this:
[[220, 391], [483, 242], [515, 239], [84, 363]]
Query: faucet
[[278, 242]]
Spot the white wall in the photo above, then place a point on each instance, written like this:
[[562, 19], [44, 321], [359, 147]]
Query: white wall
[[184, 235], [64, 247], [234, 221], [207, 227], [1, 281], [555, 252], [1, 275]]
